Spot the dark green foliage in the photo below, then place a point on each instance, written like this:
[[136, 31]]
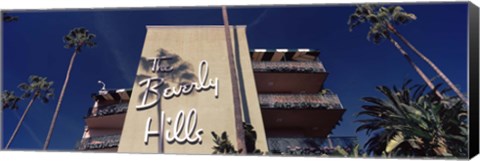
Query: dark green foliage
[[8, 18], [251, 139], [38, 87], [399, 16], [379, 19], [79, 37], [413, 122], [9, 100], [223, 145]]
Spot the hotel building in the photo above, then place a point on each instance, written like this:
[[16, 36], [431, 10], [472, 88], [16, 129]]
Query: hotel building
[[183, 92]]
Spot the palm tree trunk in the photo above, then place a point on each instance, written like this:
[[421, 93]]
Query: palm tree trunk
[[20, 122], [434, 67], [419, 71], [236, 98], [60, 98]]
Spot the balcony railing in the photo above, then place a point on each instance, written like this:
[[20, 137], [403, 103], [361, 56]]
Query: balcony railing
[[310, 146], [99, 142], [289, 66], [109, 110], [300, 101]]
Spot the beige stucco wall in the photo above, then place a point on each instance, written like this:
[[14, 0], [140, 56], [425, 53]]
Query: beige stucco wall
[[192, 44], [252, 105]]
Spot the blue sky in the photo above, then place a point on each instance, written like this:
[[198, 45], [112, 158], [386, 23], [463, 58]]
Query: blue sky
[[34, 45]]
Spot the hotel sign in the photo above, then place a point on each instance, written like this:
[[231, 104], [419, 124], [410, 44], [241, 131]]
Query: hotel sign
[[173, 91], [183, 92], [188, 123]]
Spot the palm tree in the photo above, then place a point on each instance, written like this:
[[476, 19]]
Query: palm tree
[[384, 18], [236, 98], [8, 18], [401, 17], [36, 88], [412, 122], [9, 100], [378, 32], [76, 38]]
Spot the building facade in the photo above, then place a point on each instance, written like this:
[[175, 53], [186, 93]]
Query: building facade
[[104, 121], [183, 92]]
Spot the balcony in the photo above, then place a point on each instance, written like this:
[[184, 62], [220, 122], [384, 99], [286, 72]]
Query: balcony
[[293, 115], [289, 76], [300, 101], [310, 146], [289, 66], [109, 110], [111, 116], [99, 142]]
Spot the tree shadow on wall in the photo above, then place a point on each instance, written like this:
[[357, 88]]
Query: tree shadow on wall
[[172, 69], [181, 72]]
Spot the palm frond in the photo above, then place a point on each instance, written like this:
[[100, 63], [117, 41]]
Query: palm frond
[[10, 100], [79, 37], [378, 17], [38, 87], [413, 122]]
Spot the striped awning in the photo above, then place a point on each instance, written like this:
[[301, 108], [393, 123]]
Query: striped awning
[[284, 54], [110, 95]]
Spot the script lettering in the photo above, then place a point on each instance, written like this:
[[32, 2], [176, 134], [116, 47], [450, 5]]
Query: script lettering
[[150, 89], [186, 124]]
